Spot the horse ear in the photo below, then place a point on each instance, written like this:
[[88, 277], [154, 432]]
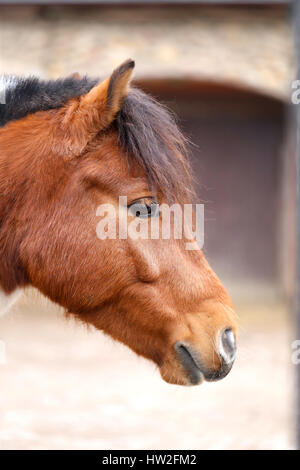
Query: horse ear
[[118, 88], [84, 118], [107, 97]]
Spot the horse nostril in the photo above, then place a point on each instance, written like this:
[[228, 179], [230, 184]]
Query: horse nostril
[[186, 356], [228, 345]]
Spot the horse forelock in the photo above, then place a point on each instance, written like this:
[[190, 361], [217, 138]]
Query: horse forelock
[[149, 134]]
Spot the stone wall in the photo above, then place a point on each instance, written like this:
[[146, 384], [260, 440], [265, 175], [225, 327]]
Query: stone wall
[[249, 47]]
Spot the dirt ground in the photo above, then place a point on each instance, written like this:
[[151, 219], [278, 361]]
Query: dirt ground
[[64, 387]]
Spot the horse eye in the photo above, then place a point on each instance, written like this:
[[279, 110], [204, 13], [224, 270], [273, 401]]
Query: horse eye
[[144, 208]]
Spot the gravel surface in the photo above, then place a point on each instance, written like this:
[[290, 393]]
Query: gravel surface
[[66, 387]]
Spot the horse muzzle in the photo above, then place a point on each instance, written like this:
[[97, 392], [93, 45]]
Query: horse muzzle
[[194, 369]]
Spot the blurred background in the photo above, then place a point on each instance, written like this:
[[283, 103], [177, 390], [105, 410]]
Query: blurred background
[[225, 68]]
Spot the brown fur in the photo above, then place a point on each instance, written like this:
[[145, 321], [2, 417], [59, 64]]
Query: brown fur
[[56, 168]]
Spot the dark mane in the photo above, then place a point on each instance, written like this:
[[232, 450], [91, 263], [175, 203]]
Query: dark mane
[[24, 96], [147, 131]]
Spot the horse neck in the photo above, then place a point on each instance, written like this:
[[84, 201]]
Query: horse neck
[[12, 275]]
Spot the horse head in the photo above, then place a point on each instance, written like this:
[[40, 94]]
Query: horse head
[[76, 145]]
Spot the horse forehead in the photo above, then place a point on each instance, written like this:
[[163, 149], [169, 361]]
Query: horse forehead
[[109, 168]]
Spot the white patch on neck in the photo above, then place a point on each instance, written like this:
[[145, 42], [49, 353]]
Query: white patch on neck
[[7, 301], [26, 300], [7, 82]]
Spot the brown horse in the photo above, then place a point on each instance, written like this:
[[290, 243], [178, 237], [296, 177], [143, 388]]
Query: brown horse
[[70, 145]]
